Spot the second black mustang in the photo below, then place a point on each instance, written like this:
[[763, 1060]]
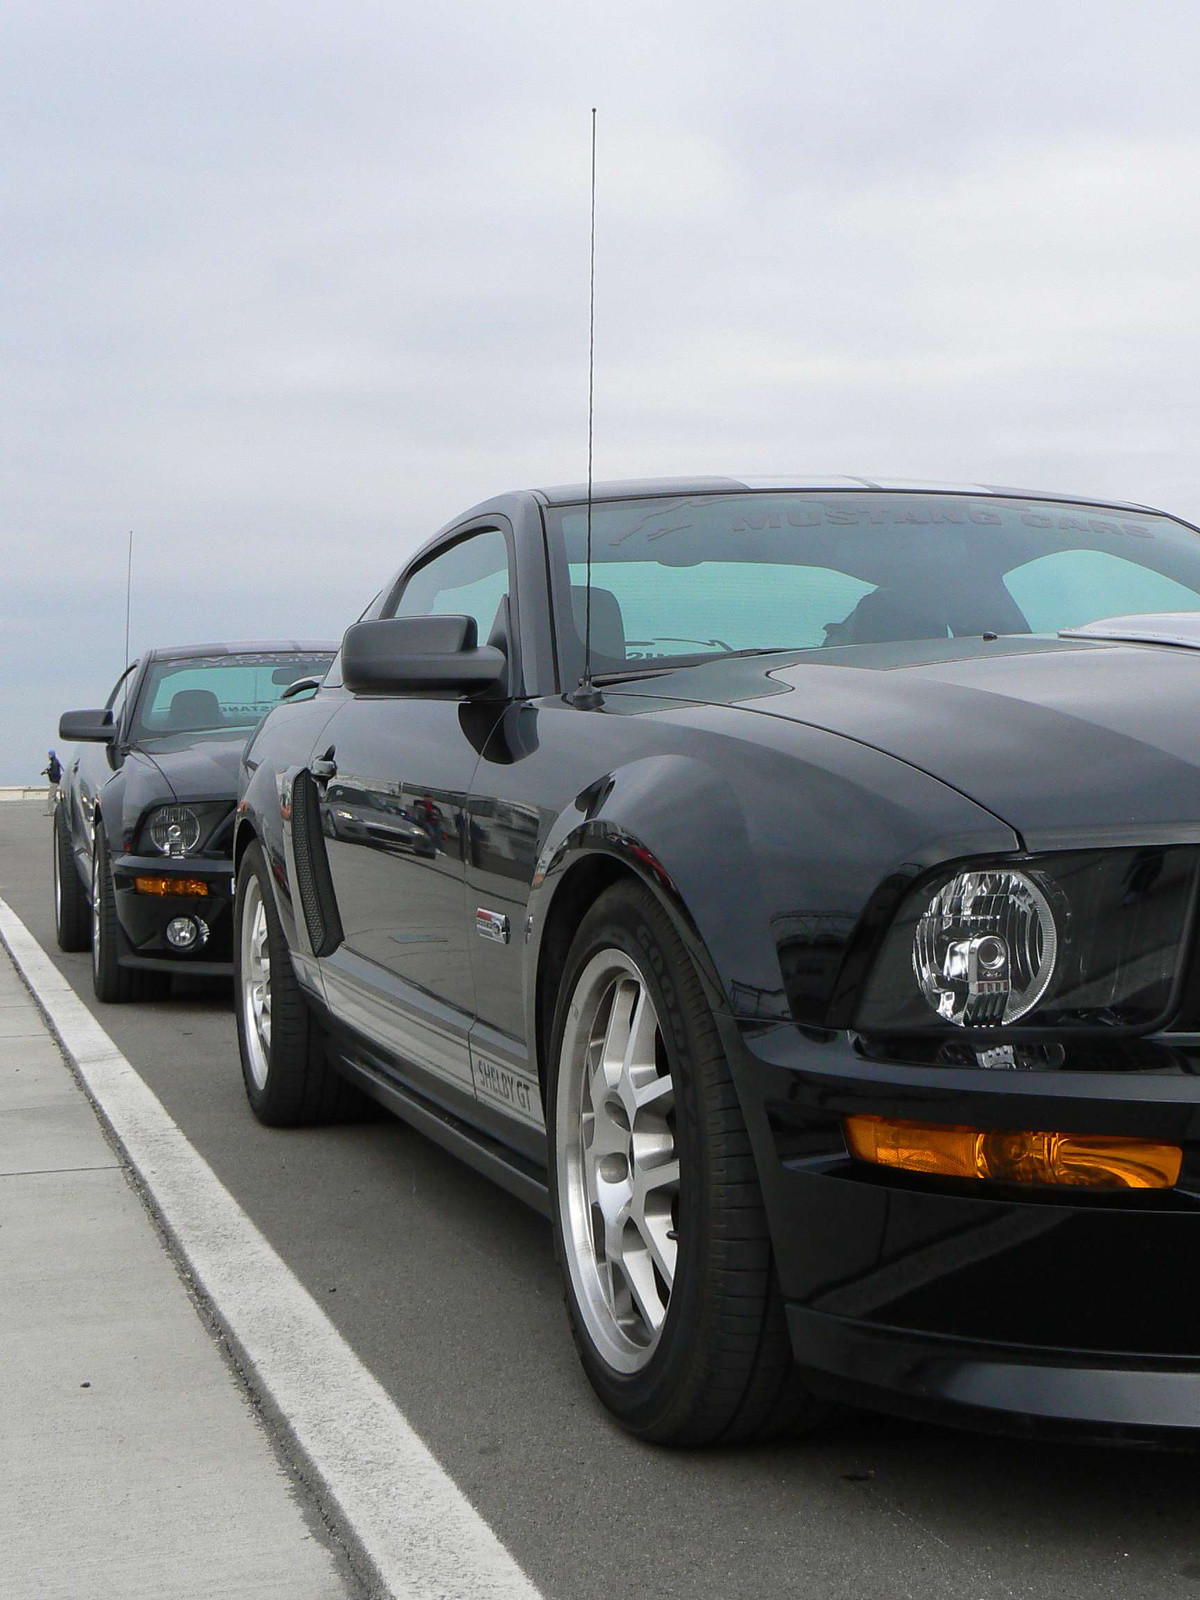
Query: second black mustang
[[143, 828], [824, 962]]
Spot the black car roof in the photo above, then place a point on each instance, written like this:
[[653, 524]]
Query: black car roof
[[565, 494], [251, 647], [639, 488]]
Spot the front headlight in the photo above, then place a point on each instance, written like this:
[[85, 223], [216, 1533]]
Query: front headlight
[[984, 948], [1081, 938], [180, 830], [175, 830]]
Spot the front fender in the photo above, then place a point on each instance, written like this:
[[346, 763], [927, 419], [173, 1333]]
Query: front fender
[[264, 814], [279, 748], [769, 861], [632, 817]]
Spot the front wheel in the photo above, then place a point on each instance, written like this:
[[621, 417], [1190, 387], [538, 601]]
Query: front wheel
[[112, 982], [658, 1216], [288, 1080], [72, 920]]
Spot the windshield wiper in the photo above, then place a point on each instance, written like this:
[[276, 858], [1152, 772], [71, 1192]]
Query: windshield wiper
[[655, 669], [762, 650], [648, 671]]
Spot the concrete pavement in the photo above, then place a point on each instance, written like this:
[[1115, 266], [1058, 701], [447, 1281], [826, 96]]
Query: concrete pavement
[[131, 1462]]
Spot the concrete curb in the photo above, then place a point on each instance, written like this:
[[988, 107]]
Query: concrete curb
[[409, 1525], [134, 1462]]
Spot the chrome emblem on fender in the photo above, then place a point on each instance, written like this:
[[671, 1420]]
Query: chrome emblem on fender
[[491, 925]]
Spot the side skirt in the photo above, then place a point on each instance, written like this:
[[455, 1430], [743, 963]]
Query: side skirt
[[471, 1145]]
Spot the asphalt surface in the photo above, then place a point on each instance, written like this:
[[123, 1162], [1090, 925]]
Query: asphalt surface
[[446, 1289]]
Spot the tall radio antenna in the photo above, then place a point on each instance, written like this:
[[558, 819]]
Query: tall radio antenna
[[128, 593], [587, 697]]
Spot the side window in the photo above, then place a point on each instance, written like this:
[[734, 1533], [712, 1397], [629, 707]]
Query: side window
[[468, 579], [1071, 587]]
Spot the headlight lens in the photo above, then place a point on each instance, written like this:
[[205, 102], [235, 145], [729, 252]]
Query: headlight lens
[[175, 830], [1065, 940], [985, 947]]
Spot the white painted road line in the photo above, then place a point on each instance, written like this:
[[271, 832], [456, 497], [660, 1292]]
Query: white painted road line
[[408, 1518]]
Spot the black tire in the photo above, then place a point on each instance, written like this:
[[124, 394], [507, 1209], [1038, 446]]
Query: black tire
[[720, 1369], [112, 983], [289, 1082], [72, 914]]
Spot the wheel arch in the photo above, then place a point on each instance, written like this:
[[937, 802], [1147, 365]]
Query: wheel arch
[[587, 867], [674, 823], [244, 835]]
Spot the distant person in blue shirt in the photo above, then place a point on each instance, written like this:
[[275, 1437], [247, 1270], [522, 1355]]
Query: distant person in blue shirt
[[52, 772]]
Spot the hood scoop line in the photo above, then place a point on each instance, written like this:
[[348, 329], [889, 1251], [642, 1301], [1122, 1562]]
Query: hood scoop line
[[1180, 628]]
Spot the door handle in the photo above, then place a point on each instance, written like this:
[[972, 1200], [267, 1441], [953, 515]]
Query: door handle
[[326, 767]]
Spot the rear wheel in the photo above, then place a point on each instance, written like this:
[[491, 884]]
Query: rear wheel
[[112, 982], [658, 1216], [72, 918], [288, 1080]]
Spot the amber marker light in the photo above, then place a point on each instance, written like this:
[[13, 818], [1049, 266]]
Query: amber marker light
[[175, 886], [1085, 1160]]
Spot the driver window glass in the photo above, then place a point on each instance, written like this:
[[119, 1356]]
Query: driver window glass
[[469, 579]]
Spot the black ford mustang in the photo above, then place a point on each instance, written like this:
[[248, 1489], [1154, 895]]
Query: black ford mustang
[[826, 967], [144, 823]]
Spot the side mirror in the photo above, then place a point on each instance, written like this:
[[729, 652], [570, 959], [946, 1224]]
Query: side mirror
[[86, 727], [299, 686], [399, 655]]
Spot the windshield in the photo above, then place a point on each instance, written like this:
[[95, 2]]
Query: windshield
[[684, 578], [205, 694]]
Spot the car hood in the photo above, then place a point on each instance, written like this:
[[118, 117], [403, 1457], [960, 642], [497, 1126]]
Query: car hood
[[1062, 739], [198, 767]]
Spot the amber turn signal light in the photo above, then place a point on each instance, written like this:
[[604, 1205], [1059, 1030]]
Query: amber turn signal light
[[1091, 1161], [170, 885]]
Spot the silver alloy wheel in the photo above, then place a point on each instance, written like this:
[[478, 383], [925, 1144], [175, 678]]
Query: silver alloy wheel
[[617, 1162], [58, 908], [95, 909], [256, 983]]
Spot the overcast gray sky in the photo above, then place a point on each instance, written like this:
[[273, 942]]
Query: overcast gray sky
[[283, 286]]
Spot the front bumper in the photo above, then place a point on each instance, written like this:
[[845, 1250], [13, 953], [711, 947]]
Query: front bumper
[[1060, 1312], [144, 917]]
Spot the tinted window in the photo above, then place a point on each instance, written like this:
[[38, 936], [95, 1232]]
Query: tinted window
[[718, 605], [469, 579], [682, 578], [1071, 587], [203, 694]]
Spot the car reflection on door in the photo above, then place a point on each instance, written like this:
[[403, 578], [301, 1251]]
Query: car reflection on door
[[382, 820]]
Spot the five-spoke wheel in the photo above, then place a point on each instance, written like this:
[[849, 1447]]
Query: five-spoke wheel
[[111, 981], [254, 987], [659, 1224], [288, 1077], [72, 919], [618, 1167]]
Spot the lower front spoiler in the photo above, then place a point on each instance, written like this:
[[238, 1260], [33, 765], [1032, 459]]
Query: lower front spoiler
[[179, 965], [143, 918], [1022, 1390]]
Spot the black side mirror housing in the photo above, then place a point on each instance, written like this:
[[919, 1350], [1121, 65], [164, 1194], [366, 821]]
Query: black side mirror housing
[[300, 686], [86, 727], [404, 655]]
